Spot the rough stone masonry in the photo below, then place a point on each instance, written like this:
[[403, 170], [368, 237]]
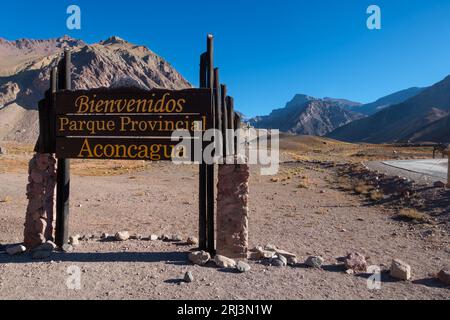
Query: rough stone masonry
[[39, 220], [232, 210]]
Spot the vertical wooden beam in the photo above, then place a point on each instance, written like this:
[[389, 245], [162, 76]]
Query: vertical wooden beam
[[210, 216], [230, 115], [223, 95], [202, 233], [217, 101], [63, 173], [237, 126]]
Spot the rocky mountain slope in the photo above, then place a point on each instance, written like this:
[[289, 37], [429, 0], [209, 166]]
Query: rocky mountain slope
[[25, 72], [420, 118], [309, 116], [387, 101]]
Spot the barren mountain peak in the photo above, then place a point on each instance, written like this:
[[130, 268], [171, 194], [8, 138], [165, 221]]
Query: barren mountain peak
[[25, 66], [113, 40]]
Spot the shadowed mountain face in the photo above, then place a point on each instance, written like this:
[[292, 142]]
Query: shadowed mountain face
[[25, 67], [25, 73], [420, 118], [309, 116], [390, 100]]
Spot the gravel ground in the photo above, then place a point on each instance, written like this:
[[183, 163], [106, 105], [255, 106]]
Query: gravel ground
[[318, 220]]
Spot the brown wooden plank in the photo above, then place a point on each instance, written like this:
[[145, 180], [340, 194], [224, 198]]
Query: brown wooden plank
[[134, 101], [129, 125], [116, 148]]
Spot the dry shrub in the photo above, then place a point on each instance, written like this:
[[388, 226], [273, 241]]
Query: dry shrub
[[412, 214], [274, 180], [6, 199], [362, 188], [303, 185], [376, 195]]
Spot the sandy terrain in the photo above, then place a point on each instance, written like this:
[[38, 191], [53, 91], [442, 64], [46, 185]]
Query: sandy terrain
[[162, 198]]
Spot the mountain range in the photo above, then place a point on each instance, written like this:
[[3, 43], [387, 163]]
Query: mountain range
[[25, 66], [421, 118], [414, 114], [309, 116], [411, 115]]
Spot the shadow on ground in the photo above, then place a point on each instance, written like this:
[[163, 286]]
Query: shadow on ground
[[180, 258]]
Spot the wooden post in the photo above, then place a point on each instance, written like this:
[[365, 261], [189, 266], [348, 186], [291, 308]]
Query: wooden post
[[210, 168], [217, 100], [63, 173], [223, 95], [230, 109], [202, 234]]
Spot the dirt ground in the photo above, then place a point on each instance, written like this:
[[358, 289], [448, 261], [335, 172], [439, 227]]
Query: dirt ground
[[300, 210]]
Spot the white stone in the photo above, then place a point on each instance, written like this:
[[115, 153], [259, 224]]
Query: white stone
[[224, 262], [400, 270], [14, 250], [122, 236], [199, 257]]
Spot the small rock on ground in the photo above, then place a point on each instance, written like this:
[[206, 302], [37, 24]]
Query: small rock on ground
[[277, 262], [193, 241], [176, 238], [153, 237], [67, 248], [292, 261], [74, 240], [48, 246], [224, 262], [199, 257], [14, 250], [122, 236], [356, 262], [444, 276], [400, 270], [314, 262], [188, 277], [242, 267]]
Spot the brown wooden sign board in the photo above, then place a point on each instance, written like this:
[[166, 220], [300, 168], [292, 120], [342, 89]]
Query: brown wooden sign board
[[99, 124]]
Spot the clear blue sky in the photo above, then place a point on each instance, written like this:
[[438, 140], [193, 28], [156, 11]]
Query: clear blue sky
[[267, 50]]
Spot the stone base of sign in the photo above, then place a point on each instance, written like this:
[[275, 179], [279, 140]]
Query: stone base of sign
[[39, 220], [232, 211]]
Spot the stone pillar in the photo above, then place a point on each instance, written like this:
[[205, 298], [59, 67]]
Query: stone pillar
[[232, 211], [39, 220]]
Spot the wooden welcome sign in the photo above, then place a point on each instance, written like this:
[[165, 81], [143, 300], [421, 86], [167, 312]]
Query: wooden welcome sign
[[132, 124], [128, 124]]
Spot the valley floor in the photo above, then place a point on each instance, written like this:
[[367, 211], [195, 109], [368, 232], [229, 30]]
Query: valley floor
[[316, 219]]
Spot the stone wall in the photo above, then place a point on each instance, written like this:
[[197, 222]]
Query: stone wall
[[232, 211], [39, 220]]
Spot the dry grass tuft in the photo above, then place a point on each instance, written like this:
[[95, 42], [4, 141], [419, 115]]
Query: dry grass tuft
[[376, 195], [6, 199], [362, 188], [412, 214]]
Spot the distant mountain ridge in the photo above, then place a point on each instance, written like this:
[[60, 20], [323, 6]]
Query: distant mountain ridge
[[307, 115], [387, 101], [420, 118]]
